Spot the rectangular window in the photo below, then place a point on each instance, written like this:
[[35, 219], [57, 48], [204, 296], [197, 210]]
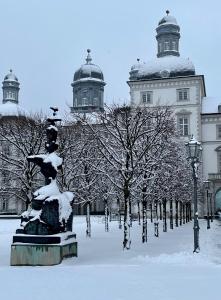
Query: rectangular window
[[166, 46], [218, 131], [4, 205], [183, 125], [183, 94], [219, 161], [173, 45], [147, 97]]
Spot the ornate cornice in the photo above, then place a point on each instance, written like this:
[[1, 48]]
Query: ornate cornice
[[211, 119], [165, 83]]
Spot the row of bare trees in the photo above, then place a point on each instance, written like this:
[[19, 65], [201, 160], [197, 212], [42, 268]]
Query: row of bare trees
[[126, 157]]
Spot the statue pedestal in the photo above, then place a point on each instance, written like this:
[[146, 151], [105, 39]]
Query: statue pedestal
[[42, 250]]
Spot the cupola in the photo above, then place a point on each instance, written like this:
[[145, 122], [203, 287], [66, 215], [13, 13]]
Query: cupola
[[10, 87], [168, 35]]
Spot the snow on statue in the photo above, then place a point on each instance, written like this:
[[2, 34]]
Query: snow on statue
[[50, 210]]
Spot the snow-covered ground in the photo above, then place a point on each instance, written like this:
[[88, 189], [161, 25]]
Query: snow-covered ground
[[163, 269]]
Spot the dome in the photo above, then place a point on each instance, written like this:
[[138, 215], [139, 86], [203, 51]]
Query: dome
[[168, 20], [88, 71], [10, 77], [167, 66]]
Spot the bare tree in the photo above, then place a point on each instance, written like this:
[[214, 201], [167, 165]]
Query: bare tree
[[124, 137], [19, 138]]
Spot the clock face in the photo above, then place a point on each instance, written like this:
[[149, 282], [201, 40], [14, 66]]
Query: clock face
[[164, 73]]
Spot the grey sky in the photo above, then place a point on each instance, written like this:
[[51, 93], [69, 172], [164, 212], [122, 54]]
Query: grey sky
[[45, 41]]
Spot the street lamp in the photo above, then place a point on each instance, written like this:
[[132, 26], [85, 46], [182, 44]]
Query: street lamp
[[194, 151], [211, 208], [207, 188]]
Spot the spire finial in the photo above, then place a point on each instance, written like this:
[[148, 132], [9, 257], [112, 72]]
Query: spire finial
[[88, 59], [138, 60], [167, 12], [10, 70]]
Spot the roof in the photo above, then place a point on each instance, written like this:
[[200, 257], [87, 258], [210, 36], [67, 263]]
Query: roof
[[11, 77], [11, 109], [168, 20], [161, 67]]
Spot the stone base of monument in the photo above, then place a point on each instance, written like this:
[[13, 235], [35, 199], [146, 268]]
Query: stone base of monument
[[42, 250]]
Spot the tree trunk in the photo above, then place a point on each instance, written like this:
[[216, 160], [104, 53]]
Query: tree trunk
[[171, 214], [191, 211], [164, 215], [127, 240], [180, 206], [156, 223], [184, 218], [106, 216], [119, 215], [130, 211], [186, 210], [110, 214], [160, 204], [177, 215], [144, 229], [88, 219], [138, 212], [151, 213]]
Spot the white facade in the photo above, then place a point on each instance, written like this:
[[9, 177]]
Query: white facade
[[166, 92], [171, 80]]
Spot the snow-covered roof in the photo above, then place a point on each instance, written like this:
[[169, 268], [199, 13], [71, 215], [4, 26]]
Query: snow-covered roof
[[167, 66], [10, 77], [11, 109], [168, 20], [89, 79], [210, 105], [88, 71]]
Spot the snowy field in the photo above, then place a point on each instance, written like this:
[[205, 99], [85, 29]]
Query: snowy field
[[163, 269]]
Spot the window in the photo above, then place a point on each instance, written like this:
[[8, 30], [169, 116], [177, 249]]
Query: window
[[4, 204], [183, 94], [174, 46], [218, 131], [84, 97], [166, 46], [160, 47], [183, 125], [147, 97], [219, 161]]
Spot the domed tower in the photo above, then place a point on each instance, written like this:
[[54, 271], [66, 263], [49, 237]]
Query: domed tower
[[88, 88], [10, 87], [168, 35]]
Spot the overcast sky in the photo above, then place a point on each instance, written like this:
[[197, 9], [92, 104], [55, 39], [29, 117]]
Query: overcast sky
[[45, 41]]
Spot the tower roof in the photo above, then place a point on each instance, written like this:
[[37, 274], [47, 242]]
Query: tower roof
[[89, 71], [11, 77], [168, 19]]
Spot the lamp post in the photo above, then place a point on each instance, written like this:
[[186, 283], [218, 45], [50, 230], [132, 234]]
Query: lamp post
[[211, 208], [207, 188], [194, 151]]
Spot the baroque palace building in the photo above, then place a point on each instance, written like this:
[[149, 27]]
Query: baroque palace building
[[172, 80], [169, 79]]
